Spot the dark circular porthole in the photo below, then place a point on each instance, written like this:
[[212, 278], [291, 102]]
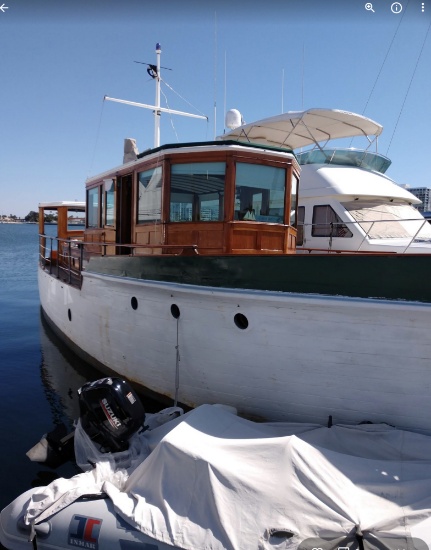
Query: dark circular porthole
[[175, 311], [134, 303], [69, 314], [241, 321]]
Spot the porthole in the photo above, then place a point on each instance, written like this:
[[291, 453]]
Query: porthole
[[175, 311], [69, 314], [134, 302], [241, 321]]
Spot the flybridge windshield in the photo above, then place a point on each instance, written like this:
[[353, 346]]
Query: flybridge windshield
[[346, 157]]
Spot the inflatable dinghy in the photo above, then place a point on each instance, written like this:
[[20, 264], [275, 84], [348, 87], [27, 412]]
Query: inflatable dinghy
[[209, 479], [90, 523]]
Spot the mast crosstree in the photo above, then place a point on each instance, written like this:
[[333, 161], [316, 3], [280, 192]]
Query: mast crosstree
[[156, 108]]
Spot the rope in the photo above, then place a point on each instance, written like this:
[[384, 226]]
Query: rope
[[170, 116], [385, 58], [382, 65], [183, 98], [177, 367], [167, 105], [97, 139], [408, 89]]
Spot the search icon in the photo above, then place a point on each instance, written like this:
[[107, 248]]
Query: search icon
[[369, 7]]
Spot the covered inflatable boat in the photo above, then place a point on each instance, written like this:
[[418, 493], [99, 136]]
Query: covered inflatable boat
[[211, 480]]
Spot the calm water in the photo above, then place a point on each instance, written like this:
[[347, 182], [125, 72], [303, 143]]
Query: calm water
[[39, 375]]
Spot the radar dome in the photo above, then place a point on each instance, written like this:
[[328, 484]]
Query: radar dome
[[233, 119]]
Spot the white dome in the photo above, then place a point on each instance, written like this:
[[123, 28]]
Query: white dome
[[233, 119]]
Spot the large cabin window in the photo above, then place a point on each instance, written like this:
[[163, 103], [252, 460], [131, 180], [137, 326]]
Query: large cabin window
[[293, 200], [93, 219], [197, 191], [327, 223], [259, 192], [150, 195], [109, 202], [75, 219]]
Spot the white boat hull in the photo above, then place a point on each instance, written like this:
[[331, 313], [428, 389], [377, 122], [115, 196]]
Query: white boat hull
[[302, 357], [79, 527]]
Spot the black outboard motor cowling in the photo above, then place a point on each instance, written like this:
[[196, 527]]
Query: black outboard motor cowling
[[110, 413]]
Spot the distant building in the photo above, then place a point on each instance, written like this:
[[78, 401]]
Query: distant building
[[423, 194]]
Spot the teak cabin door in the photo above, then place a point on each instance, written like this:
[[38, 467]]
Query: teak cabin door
[[124, 214]]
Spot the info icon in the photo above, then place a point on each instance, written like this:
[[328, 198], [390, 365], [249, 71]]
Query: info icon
[[396, 7]]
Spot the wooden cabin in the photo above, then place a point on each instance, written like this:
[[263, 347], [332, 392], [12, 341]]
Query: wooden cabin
[[60, 240], [205, 198]]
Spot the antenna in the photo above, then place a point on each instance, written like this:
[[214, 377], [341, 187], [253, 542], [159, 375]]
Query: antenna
[[302, 79], [282, 91], [155, 73], [224, 107], [215, 75]]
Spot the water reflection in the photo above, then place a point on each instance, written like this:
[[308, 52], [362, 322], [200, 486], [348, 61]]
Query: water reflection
[[40, 379], [63, 373]]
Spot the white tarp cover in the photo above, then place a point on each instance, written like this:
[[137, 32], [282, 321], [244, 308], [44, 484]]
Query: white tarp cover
[[214, 480], [297, 129]]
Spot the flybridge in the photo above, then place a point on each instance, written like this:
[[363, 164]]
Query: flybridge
[[156, 75]]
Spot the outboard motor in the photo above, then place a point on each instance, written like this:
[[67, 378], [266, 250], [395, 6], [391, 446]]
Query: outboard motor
[[110, 413]]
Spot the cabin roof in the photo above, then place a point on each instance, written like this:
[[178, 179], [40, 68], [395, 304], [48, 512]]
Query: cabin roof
[[78, 205], [187, 148], [216, 143], [296, 129]]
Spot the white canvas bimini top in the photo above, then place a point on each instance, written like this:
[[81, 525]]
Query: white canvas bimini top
[[297, 129]]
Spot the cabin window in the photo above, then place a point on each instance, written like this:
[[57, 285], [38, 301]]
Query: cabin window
[[109, 202], [197, 191], [293, 200], [75, 219], [150, 195], [300, 227], [93, 207], [102, 206], [259, 192], [327, 223]]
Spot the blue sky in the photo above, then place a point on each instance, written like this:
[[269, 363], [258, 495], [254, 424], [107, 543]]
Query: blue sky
[[59, 58]]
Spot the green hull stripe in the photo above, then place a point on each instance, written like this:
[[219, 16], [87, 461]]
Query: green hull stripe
[[394, 277]]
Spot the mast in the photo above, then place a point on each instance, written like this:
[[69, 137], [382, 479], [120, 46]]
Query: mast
[[157, 110], [157, 105]]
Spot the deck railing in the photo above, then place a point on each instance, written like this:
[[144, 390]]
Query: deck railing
[[66, 259], [333, 230], [62, 257]]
